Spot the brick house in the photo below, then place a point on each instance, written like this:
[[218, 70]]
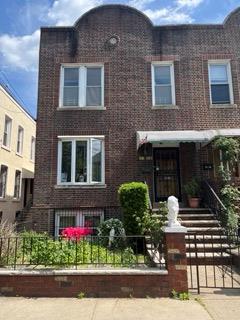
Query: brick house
[[123, 100]]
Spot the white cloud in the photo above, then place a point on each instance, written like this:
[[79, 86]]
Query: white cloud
[[20, 52], [168, 16], [189, 3], [140, 4], [66, 12]]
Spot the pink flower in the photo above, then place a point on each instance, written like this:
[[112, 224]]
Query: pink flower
[[75, 233]]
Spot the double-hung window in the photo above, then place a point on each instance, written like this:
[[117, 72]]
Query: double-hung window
[[17, 186], [3, 181], [81, 160], [163, 88], [220, 81], [82, 86], [20, 140], [7, 132]]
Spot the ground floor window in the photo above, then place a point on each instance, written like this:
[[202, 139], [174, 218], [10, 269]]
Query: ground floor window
[[17, 186], [78, 218], [81, 160]]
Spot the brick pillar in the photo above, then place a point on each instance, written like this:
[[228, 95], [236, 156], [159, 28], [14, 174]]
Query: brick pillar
[[176, 260]]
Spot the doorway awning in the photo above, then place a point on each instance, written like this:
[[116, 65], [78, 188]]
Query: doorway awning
[[204, 136]]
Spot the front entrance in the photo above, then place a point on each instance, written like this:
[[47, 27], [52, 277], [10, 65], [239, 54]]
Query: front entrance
[[166, 173]]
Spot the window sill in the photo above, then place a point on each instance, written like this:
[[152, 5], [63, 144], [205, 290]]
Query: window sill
[[16, 200], [81, 108], [6, 148], [19, 155], [3, 200], [222, 106], [165, 107], [81, 186]]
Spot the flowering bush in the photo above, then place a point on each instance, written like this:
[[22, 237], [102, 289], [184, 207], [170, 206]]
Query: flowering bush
[[76, 233]]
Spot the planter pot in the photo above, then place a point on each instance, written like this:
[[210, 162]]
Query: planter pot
[[193, 202]]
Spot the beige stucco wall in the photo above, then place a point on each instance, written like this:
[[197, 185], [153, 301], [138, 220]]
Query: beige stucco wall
[[14, 162]]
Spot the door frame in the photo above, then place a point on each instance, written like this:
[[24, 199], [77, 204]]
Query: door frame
[[178, 172]]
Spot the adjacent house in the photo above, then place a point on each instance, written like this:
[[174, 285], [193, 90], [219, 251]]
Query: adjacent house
[[120, 100], [17, 156]]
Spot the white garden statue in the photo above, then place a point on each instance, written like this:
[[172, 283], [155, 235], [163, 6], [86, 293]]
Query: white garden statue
[[173, 209]]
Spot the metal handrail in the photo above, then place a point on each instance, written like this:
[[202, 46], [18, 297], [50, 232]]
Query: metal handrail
[[212, 200]]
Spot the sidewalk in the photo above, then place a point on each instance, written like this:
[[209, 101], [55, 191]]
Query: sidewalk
[[221, 306]]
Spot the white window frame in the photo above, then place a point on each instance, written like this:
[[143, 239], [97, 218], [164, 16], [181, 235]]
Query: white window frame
[[80, 217], [229, 75], [167, 64], [1, 195], [82, 89], [89, 140], [8, 132], [32, 148], [20, 138], [20, 185]]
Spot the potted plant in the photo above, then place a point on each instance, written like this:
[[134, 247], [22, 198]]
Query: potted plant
[[192, 189]]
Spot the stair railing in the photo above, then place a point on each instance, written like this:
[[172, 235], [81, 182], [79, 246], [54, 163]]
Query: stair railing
[[212, 200]]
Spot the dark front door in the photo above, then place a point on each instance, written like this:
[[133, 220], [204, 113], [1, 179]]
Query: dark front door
[[166, 173]]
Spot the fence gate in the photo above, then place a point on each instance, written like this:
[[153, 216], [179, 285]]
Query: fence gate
[[213, 261]]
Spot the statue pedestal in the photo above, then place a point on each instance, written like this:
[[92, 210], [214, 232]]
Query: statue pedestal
[[175, 229]]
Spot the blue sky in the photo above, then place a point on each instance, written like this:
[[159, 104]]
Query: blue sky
[[20, 21]]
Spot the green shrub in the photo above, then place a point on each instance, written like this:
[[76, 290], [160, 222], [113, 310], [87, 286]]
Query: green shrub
[[230, 196], [192, 188], [119, 233], [134, 202]]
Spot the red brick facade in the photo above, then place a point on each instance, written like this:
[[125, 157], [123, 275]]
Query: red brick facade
[[127, 98]]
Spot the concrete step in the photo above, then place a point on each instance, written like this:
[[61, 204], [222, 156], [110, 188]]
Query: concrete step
[[205, 238], [206, 230], [193, 216], [200, 223], [207, 247], [208, 258]]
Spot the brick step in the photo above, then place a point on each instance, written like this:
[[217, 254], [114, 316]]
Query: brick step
[[197, 211], [193, 216], [200, 223]]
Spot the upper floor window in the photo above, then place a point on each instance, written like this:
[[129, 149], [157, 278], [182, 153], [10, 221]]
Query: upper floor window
[[163, 88], [220, 80], [17, 186], [82, 86], [3, 181], [81, 160], [20, 140], [7, 132], [32, 150]]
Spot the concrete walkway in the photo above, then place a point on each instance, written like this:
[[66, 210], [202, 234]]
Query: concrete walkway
[[207, 306]]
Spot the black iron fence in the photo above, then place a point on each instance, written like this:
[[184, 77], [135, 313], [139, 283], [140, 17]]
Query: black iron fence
[[213, 261], [79, 251]]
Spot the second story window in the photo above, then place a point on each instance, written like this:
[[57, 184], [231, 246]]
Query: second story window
[[32, 151], [82, 86], [3, 181], [20, 140], [17, 186], [7, 132], [220, 81], [163, 88]]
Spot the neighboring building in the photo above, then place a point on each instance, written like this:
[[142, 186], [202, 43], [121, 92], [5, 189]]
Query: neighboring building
[[17, 152], [122, 100]]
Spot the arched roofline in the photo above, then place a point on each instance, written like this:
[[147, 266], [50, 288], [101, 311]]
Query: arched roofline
[[112, 6]]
